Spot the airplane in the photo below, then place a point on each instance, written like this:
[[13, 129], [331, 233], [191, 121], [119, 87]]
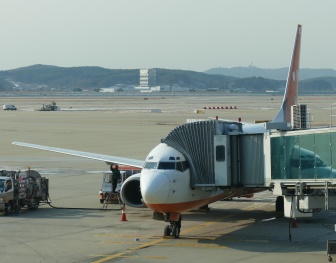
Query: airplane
[[163, 185]]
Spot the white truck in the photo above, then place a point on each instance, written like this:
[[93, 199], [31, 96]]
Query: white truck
[[9, 107], [19, 189]]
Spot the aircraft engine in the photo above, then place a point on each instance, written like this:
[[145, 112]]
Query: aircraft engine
[[130, 192]]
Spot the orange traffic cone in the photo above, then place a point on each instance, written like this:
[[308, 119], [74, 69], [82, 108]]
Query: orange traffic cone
[[123, 215], [294, 225]]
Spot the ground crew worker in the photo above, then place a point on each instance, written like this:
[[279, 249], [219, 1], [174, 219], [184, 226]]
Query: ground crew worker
[[115, 176]]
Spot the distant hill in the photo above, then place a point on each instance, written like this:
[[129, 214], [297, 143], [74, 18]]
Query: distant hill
[[277, 74], [74, 77], [52, 78], [96, 77]]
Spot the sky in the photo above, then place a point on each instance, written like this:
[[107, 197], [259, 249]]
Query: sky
[[190, 34]]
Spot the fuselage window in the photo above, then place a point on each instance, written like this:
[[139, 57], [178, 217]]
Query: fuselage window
[[150, 165], [220, 153], [166, 166]]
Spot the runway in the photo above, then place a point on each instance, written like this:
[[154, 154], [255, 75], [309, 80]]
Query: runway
[[241, 230]]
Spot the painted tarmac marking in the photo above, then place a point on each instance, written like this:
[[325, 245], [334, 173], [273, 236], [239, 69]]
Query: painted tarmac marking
[[156, 242], [191, 245], [149, 257], [122, 254], [205, 224]]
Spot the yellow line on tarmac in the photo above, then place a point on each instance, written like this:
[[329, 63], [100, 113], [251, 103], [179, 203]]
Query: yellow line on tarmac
[[122, 254], [204, 224]]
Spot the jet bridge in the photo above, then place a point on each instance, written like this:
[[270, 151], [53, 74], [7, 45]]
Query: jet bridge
[[302, 168], [298, 165], [219, 154]]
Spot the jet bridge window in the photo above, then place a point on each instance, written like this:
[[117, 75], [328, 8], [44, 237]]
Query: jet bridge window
[[220, 153]]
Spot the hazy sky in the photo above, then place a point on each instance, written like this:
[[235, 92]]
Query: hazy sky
[[176, 34]]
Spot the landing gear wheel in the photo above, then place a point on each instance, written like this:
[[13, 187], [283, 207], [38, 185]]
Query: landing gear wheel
[[174, 228], [167, 231], [175, 232], [9, 208]]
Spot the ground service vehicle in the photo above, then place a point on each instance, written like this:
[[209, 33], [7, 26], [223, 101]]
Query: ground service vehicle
[[9, 107], [106, 191], [19, 189]]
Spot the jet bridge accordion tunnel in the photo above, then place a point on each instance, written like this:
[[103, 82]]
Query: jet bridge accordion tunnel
[[221, 155]]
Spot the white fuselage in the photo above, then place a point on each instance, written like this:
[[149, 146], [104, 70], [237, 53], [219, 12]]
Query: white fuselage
[[165, 183]]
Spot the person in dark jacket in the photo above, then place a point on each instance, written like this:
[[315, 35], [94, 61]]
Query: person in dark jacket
[[115, 176]]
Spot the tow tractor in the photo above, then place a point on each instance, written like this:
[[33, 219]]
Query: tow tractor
[[19, 189]]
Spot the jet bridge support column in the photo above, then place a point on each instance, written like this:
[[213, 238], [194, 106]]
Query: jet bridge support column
[[302, 199]]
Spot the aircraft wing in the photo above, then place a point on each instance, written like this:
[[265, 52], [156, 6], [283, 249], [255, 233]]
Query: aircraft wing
[[99, 157]]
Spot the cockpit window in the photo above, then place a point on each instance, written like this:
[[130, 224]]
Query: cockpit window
[[166, 166], [185, 166], [320, 163], [178, 166], [150, 165]]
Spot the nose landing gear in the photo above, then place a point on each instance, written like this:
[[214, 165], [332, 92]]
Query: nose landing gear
[[174, 228]]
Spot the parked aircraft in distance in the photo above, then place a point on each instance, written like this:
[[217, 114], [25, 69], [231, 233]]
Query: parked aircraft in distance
[[164, 183]]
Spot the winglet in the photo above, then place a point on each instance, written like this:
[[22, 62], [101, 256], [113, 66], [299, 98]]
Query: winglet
[[291, 91]]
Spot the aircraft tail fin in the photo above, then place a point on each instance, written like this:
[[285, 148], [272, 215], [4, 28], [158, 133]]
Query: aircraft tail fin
[[291, 91]]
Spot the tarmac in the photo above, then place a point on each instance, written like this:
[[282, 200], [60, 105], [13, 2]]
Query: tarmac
[[240, 230]]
